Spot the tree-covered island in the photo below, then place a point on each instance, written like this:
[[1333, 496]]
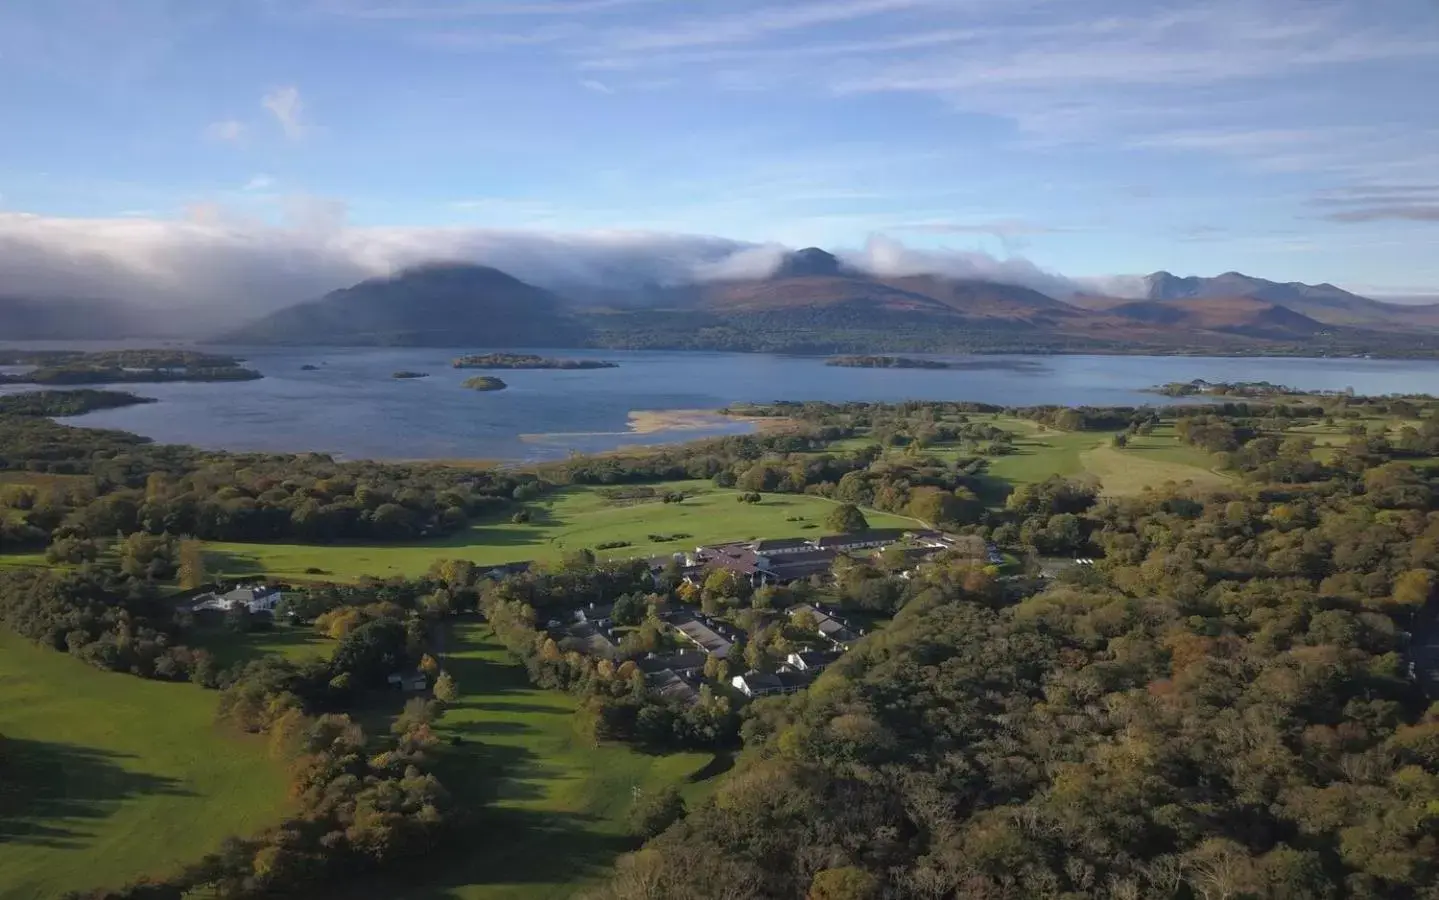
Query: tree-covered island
[[485, 383], [885, 362], [61, 367], [527, 361]]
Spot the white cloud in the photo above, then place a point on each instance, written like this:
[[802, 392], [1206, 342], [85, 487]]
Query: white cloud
[[226, 268], [886, 256], [260, 182], [234, 268], [598, 87], [228, 130], [755, 23], [285, 105], [466, 9]]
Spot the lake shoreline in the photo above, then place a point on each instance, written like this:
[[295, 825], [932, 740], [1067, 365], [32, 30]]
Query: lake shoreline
[[349, 406]]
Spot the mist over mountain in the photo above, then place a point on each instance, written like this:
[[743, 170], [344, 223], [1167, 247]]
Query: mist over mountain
[[435, 305], [211, 275]]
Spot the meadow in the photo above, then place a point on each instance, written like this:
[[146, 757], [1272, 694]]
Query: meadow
[[564, 521], [550, 804], [106, 777]]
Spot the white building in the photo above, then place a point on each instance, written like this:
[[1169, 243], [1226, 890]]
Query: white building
[[256, 597]]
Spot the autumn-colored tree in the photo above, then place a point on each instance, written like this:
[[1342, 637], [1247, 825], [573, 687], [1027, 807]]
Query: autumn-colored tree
[[191, 574], [446, 690]]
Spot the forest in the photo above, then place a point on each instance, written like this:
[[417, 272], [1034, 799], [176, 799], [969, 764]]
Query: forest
[[1235, 700], [1219, 707]]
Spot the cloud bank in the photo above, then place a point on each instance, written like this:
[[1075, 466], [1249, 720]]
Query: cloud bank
[[219, 272]]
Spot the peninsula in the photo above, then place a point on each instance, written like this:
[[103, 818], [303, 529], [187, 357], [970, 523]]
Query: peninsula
[[485, 383], [885, 362], [66, 403], [528, 361]]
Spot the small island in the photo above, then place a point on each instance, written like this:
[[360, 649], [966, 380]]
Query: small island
[[405, 373], [527, 361], [885, 362], [66, 403], [65, 367], [309, 368], [485, 383]]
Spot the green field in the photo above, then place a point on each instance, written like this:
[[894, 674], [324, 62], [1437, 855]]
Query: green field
[[107, 777], [296, 643], [550, 805], [563, 521]]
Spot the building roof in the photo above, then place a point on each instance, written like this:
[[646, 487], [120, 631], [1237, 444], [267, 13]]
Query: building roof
[[740, 560], [671, 686], [826, 624], [679, 661], [816, 659], [857, 538], [712, 641], [772, 544]]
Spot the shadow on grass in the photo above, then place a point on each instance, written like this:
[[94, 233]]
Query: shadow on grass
[[502, 847], [229, 647], [46, 787], [722, 763], [521, 708]]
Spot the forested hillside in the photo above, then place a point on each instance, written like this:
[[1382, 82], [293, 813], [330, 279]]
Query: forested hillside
[[1220, 707]]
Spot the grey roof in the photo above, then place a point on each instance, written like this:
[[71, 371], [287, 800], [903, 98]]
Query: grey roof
[[761, 546], [712, 641], [669, 685], [856, 538], [680, 661]]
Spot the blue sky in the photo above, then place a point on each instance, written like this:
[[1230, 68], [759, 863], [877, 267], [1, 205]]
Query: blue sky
[[1292, 140]]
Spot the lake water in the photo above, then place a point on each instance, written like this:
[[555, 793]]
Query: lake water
[[350, 406]]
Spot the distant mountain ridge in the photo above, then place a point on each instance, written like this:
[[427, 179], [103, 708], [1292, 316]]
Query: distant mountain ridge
[[1321, 302], [440, 305], [810, 302]]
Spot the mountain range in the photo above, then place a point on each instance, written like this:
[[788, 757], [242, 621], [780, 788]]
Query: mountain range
[[813, 303]]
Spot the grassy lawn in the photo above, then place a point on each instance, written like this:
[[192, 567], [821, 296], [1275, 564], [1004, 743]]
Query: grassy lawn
[[1130, 471], [1041, 454], [1149, 461], [22, 559], [563, 521], [297, 643], [554, 804], [106, 777]]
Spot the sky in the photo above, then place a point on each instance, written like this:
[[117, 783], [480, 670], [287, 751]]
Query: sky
[[275, 147]]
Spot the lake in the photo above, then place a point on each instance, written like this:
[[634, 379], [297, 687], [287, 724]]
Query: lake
[[351, 407]]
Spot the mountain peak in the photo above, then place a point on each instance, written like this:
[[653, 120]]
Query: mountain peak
[[810, 261]]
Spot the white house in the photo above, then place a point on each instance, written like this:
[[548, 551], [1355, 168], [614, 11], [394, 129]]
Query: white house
[[256, 597], [759, 684]]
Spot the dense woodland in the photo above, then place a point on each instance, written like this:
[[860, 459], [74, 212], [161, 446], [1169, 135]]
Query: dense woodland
[[118, 483], [1221, 707]]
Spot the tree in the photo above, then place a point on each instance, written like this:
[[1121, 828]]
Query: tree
[[653, 812], [446, 691], [629, 610], [192, 565], [846, 519], [1413, 588], [847, 883]]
